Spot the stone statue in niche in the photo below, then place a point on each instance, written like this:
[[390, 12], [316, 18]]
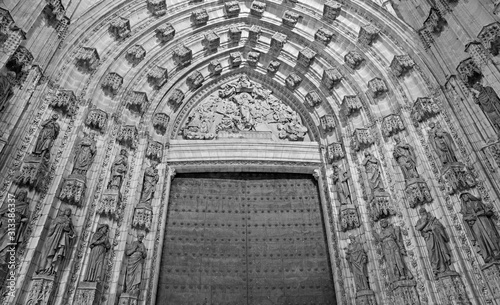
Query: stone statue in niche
[[118, 171], [436, 241], [391, 241], [406, 158], [358, 261], [136, 253], [373, 173], [99, 246], [84, 155], [150, 180], [341, 180], [483, 232], [58, 243], [489, 102], [48, 134], [442, 144], [12, 228]]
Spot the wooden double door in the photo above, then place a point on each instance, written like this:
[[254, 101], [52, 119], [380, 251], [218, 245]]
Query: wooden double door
[[245, 238]]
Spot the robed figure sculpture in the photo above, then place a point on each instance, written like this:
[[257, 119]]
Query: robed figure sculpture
[[48, 134], [118, 171], [136, 253], [436, 242], [358, 264], [341, 180], [99, 246], [483, 232], [442, 144], [150, 180], [406, 158], [84, 155]]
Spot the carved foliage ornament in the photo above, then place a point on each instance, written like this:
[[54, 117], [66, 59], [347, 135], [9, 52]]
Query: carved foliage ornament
[[97, 119], [87, 59], [258, 8], [423, 109], [392, 124], [128, 136]]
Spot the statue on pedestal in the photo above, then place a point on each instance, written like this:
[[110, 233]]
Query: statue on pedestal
[[482, 231], [48, 134], [341, 182], [358, 261], [489, 102], [136, 253], [150, 180], [58, 243], [373, 173], [406, 158], [84, 155], [442, 144], [118, 171], [99, 246], [436, 241]]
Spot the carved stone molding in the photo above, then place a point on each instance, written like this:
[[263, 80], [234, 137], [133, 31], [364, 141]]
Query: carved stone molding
[[128, 136], [199, 17], [65, 102], [41, 290], [165, 32], [423, 109], [324, 35], [232, 9], [392, 124], [349, 218], [306, 57], [87, 59], [331, 10], [313, 99], [235, 59], [176, 97], [457, 178], [377, 87], [97, 119], [368, 34], [160, 122], [195, 80], [352, 104], [293, 81], [361, 139], [331, 77], [258, 8], [278, 41], [451, 289], [157, 7], [120, 28], [327, 122], [112, 83], [158, 76], [135, 54], [182, 56], [365, 297], [353, 60], [137, 102], [401, 64]]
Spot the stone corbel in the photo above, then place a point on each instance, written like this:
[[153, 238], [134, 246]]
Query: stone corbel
[[423, 109], [331, 10], [165, 32], [392, 124], [128, 136], [160, 122], [157, 77], [120, 28], [182, 56], [87, 59], [157, 7], [361, 139]]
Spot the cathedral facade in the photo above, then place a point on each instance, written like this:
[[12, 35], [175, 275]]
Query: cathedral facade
[[295, 152]]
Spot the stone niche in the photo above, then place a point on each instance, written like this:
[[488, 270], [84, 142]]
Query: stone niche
[[87, 59], [65, 102], [324, 36], [165, 32]]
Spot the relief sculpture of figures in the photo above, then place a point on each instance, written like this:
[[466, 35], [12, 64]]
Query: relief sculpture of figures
[[136, 253], [442, 144], [48, 134], [482, 228], [489, 102], [393, 250], [358, 264], [13, 237], [374, 175], [151, 178], [99, 246], [341, 181], [436, 241], [84, 155], [406, 158], [118, 171], [58, 243]]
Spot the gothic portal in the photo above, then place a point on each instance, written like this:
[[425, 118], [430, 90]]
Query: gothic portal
[[267, 152]]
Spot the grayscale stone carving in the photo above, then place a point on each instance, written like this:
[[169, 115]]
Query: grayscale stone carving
[[48, 134], [136, 253], [87, 59], [442, 144], [99, 246], [199, 17], [195, 80], [278, 41], [111, 197], [158, 7], [232, 9], [160, 122], [401, 64], [135, 54], [291, 18], [118, 171], [137, 102], [313, 99], [331, 10], [293, 81], [353, 60], [211, 42], [341, 181], [58, 244], [6, 89], [361, 139], [324, 36], [423, 109], [327, 122], [379, 199], [392, 124], [331, 77], [306, 57], [149, 182], [182, 56], [215, 67], [112, 83], [436, 242], [368, 34], [65, 101], [165, 32], [258, 8], [357, 260], [128, 136], [97, 119], [489, 102], [334, 152], [482, 230], [352, 104], [120, 28]]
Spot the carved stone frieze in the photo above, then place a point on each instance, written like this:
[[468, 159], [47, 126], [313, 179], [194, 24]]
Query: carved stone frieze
[[41, 290], [232, 9], [135, 54], [306, 57], [137, 102], [120, 28], [489, 37], [313, 99], [154, 150], [87, 59], [353, 60], [165, 32], [291, 18], [327, 122], [211, 41], [195, 80], [293, 81], [332, 77], [469, 72], [278, 41], [324, 35], [254, 33], [176, 97], [253, 58], [331, 10], [182, 56], [352, 104], [112, 83], [368, 34], [274, 66], [157, 76], [199, 17], [235, 59], [349, 218], [401, 64], [361, 139], [97, 119], [158, 7], [65, 102], [215, 67], [423, 109], [334, 152], [392, 124], [234, 33], [377, 87], [258, 8]]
